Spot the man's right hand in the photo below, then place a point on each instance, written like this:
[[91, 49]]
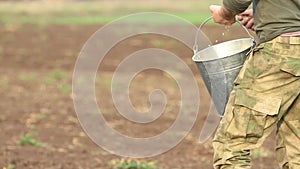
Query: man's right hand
[[222, 15], [246, 18]]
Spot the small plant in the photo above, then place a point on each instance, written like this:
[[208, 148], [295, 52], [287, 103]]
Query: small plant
[[44, 38], [70, 53], [42, 115], [132, 164], [257, 153], [55, 76], [65, 88], [28, 139], [62, 111], [7, 38], [158, 43], [103, 80], [59, 74], [4, 82], [10, 166], [27, 76], [48, 80]]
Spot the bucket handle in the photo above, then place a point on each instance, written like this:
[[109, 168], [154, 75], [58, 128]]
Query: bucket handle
[[195, 47]]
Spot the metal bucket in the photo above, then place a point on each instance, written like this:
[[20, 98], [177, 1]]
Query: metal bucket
[[220, 64]]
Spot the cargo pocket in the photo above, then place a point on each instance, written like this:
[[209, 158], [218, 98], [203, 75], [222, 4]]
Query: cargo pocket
[[291, 65], [250, 114]]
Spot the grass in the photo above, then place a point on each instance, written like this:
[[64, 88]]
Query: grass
[[10, 166], [28, 139], [48, 80], [70, 53], [7, 38], [59, 74], [193, 17], [99, 12], [158, 43], [27, 76], [258, 153], [42, 115], [132, 164], [4, 82], [55, 76], [62, 111], [65, 88]]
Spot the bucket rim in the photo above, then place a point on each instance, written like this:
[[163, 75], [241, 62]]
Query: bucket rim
[[219, 44]]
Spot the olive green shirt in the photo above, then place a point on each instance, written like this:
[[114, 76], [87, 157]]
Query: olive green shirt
[[271, 17]]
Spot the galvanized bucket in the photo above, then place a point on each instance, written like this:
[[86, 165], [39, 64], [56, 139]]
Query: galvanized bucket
[[220, 64]]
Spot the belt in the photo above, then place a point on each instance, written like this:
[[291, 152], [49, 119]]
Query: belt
[[291, 34], [293, 40]]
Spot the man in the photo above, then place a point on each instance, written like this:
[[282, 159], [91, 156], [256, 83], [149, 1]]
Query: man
[[266, 92]]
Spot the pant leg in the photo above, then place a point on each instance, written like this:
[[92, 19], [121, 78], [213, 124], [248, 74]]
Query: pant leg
[[288, 149], [281, 151], [266, 87], [241, 130]]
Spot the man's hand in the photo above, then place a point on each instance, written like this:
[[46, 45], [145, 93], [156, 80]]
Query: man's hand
[[246, 19], [222, 15]]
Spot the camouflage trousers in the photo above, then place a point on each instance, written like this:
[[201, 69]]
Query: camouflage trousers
[[265, 98]]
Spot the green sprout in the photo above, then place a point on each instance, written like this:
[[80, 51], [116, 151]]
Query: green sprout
[[257, 153], [55, 76], [27, 76], [28, 139], [65, 88], [132, 164], [10, 166]]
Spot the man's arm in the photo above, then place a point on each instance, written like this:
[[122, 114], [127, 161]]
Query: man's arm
[[225, 14], [236, 6]]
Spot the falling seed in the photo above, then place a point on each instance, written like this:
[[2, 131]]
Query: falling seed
[[227, 27]]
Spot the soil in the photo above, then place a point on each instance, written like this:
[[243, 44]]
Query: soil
[[36, 65]]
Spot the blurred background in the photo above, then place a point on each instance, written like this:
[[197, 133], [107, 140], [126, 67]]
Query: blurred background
[[39, 43], [101, 11]]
